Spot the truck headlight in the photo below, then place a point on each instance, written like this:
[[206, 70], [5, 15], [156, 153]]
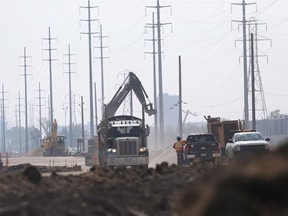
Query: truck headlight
[[112, 150], [143, 149], [237, 147]]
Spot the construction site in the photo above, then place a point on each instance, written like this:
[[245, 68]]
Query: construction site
[[186, 131]]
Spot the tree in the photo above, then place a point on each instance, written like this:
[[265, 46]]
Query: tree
[[276, 114]]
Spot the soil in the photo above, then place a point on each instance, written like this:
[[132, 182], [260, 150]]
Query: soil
[[250, 187]]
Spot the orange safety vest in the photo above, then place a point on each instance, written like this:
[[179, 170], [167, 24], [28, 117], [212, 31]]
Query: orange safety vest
[[178, 146]]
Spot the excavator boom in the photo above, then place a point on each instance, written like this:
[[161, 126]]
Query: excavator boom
[[131, 83]]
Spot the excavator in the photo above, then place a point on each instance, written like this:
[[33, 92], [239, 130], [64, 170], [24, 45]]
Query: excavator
[[54, 145], [122, 139]]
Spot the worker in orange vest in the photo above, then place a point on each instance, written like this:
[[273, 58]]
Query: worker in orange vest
[[178, 146]]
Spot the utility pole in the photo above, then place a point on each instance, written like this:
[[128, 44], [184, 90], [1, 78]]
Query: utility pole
[[70, 96], [244, 22], [259, 98], [89, 20], [101, 47], [253, 83], [20, 130], [153, 26], [161, 106], [82, 117], [16, 121], [96, 113], [3, 120], [65, 128], [49, 111], [50, 60], [40, 111], [26, 100], [180, 99]]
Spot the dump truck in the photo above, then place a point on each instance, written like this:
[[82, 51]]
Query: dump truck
[[223, 130], [54, 144], [122, 139]]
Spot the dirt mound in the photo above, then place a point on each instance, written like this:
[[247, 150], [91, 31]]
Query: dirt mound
[[254, 187], [34, 152], [41, 169], [135, 191]]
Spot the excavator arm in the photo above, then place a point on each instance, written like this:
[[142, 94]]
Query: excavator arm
[[131, 83]]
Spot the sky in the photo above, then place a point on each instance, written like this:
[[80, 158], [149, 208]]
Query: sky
[[201, 32]]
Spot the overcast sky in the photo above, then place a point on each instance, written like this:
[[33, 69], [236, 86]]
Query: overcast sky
[[202, 33]]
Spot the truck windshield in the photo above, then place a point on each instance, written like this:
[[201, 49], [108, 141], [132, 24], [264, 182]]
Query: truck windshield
[[126, 131], [201, 138], [249, 137]]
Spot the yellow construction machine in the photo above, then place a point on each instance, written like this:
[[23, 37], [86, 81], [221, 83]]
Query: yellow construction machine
[[54, 145]]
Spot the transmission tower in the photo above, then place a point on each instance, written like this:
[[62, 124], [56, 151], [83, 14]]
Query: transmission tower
[[159, 25], [3, 119], [40, 111], [102, 57], [25, 57], [90, 33], [19, 116], [259, 99], [153, 26], [69, 55], [245, 69], [50, 60]]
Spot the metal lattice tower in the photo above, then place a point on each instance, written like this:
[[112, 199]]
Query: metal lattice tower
[[260, 104]]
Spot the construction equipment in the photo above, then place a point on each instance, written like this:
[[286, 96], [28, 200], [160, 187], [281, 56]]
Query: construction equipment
[[223, 130], [122, 139], [54, 145]]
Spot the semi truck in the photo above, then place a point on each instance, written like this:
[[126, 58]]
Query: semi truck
[[122, 139]]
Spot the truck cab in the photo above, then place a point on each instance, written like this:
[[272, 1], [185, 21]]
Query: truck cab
[[201, 147], [246, 144], [126, 143]]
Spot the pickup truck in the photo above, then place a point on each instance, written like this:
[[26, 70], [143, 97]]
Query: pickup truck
[[201, 147], [244, 144]]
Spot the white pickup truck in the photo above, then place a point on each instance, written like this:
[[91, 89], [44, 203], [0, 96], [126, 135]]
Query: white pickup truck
[[245, 144]]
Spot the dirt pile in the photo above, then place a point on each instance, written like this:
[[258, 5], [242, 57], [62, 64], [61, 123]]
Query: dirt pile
[[41, 169], [257, 187], [135, 191], [254, 187], [34, 152]]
